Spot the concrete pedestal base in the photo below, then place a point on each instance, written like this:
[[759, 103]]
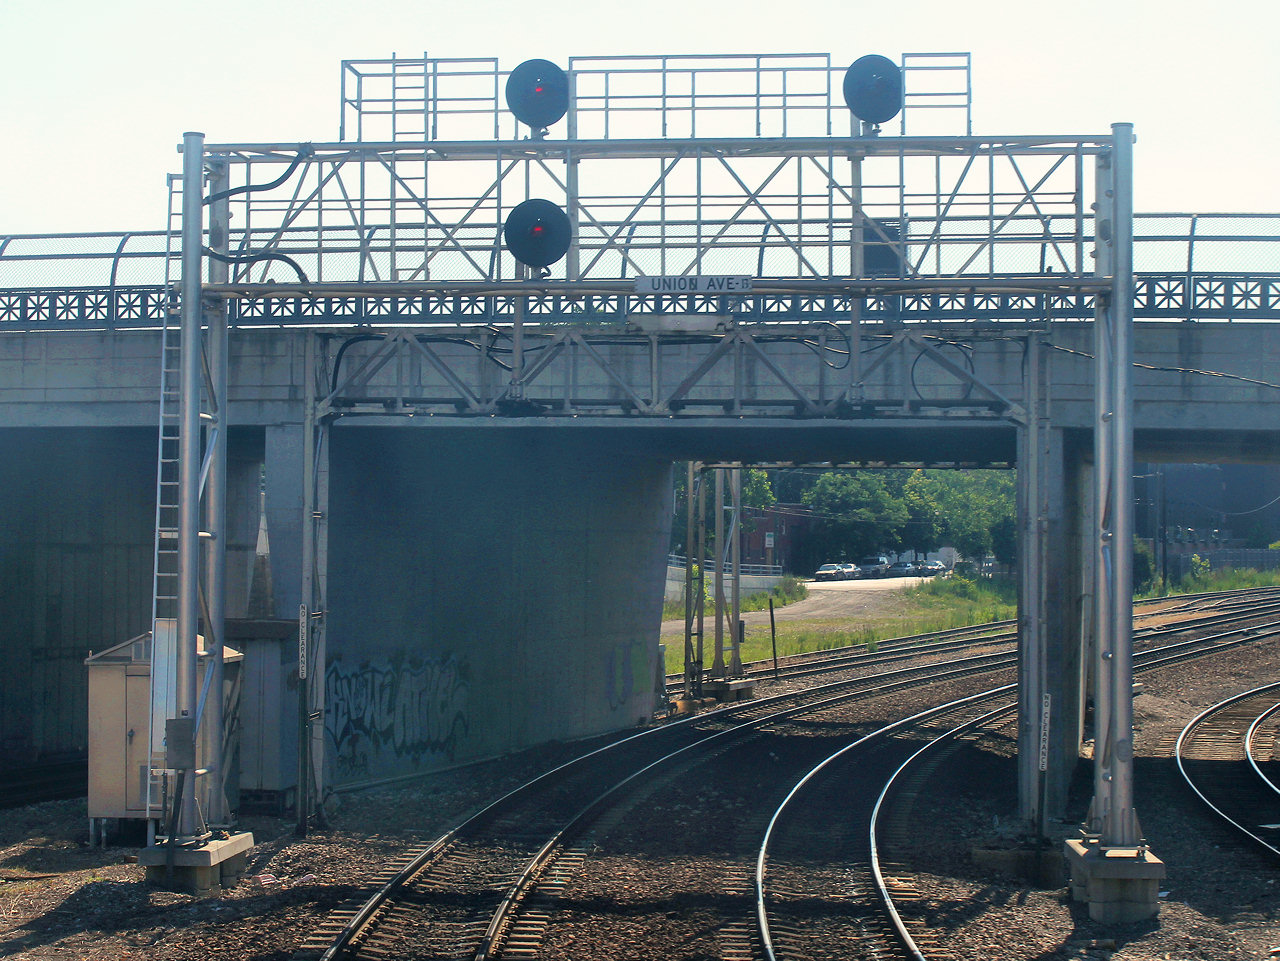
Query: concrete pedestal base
[[203, 871], [1121, 885], [739, 689]]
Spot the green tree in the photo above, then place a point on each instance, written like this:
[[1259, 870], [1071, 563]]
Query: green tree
[[857, 514], [975, 503], [1144, 565], [1004, 539], [925, 524]]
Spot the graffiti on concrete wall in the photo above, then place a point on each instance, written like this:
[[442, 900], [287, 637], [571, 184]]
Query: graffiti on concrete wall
[[403, 707], [627, 672]]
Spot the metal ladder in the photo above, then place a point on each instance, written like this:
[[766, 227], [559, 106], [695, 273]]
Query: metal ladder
[[165, 578], [165, 584]]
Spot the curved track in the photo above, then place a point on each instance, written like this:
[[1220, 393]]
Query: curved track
[[650, 846], [866, 888], [1216, 755]]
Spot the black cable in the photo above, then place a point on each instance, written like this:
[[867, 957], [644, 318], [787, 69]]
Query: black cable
[[305, 152], [337, 358], [254, 258]]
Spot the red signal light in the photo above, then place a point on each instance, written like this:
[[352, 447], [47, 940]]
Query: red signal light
[[537, 233], [538, 93]]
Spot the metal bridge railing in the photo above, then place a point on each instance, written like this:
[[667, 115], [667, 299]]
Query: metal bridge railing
[[1165, 244], [750, 570], [1209, 267]]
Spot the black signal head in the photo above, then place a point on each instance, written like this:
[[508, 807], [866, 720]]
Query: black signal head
[[538, 93], [537, 233], [873, 88]]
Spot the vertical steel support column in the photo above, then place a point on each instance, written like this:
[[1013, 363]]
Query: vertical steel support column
[[1112, 816], [189, 448], [1032, 656], [571, 179], [717, 665], [304, 798], [312, 612], [1120, 828], [212, 722], [735, 550], [702, 577], [515, 390], [318, 633], [690, 480], [857, 262], [1102, 512]]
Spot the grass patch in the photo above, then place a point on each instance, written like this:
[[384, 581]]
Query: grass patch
[[1202, 580], [939, 604], [787, 591]]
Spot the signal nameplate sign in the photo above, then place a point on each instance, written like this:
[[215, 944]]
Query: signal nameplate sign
[[696, 284]]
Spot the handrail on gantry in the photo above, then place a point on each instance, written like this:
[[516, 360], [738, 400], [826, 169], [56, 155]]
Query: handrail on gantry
[[1172, 244]]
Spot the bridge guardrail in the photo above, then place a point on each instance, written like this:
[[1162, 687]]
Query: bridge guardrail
[[1211, 267]]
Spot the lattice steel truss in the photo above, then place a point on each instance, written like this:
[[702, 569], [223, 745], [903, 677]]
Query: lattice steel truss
[[680, 167], [666, 166]]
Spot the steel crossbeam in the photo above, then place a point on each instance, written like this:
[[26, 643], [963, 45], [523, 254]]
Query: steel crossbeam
[[803, 372]]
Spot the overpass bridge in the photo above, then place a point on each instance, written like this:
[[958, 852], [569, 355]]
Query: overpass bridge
[[751, 274]]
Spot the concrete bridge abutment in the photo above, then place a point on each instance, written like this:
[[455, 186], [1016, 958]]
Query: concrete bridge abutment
[[488, 591], [1055, 566]]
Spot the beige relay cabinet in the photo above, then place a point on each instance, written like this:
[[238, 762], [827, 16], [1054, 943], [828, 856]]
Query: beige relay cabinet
[[119, 714]]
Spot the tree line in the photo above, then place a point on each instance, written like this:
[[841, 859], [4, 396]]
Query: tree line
[[853, 513]]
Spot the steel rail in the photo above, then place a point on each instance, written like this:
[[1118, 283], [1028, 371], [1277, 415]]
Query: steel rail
[[762, 917], [1188, 733], [950, 640], [888, 651], [1143, 661], [897, 680], [819, 698], [511, 902], [1248, 745], [882, 888]]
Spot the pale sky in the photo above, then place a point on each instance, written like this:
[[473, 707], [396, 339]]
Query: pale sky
[[96, 95]]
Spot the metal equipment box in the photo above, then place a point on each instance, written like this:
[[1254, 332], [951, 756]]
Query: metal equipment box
[[119, 718], [268, 712]]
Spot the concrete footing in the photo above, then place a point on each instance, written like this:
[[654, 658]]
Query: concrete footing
[[1121, 885], [739, 689], [203, 871]]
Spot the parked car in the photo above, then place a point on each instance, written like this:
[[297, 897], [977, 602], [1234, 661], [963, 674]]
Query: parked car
[[829, 572], [903, 569], [851, 572], [932, 568], [874, 565]]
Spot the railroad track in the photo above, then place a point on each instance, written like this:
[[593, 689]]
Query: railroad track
[[570, 864], [1222, 754], [49, 781], [1211, 608], [803, 862], [488, 881]]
